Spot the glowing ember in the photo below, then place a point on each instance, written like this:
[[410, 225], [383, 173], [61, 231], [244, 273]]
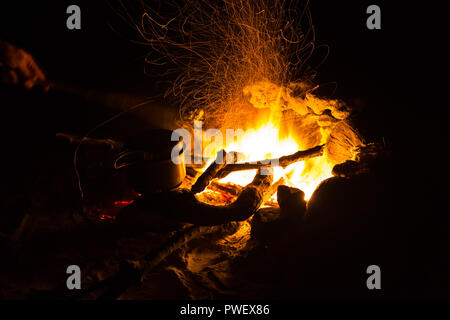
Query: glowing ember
[[111, 213]]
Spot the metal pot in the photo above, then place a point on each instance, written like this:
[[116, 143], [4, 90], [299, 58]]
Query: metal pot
[[153, 162]]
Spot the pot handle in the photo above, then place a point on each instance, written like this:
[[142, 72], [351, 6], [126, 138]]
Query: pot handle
[[122, 160]]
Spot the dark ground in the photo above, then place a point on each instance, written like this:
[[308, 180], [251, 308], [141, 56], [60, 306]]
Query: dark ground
[[396, 77]]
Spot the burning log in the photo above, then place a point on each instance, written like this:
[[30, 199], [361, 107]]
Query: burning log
[[132, 272], [209, 174], [208, 217], [231, 188], [222, 159], [220, 168], [181, 204], [218, 195], [282, 162]]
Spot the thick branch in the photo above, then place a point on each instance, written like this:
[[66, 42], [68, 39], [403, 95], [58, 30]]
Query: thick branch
[[181, 204], [254, 195]]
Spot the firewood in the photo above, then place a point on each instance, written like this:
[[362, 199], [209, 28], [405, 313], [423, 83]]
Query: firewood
[[281, 162], [181, 204], [132, 272], [209, 174], [185, 207], [231, 188], [223, 158], [215, 196], [300, 156]]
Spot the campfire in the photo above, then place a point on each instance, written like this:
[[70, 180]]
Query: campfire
[[240, 66], [302, 150], [266, 140], [221, 150], [243, 65]]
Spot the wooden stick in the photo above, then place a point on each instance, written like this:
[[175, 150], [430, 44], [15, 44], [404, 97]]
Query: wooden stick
[[222, 159], [281, 162], [132, 272], [210, 172], [153, 258]]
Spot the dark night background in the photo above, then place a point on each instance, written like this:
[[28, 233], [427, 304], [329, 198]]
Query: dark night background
[[396, 72], [396, 77]]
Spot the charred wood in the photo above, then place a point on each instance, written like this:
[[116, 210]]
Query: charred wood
[[210, 173], [182, 205]]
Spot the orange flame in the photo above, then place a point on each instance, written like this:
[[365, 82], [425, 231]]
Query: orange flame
[[265, 143]]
